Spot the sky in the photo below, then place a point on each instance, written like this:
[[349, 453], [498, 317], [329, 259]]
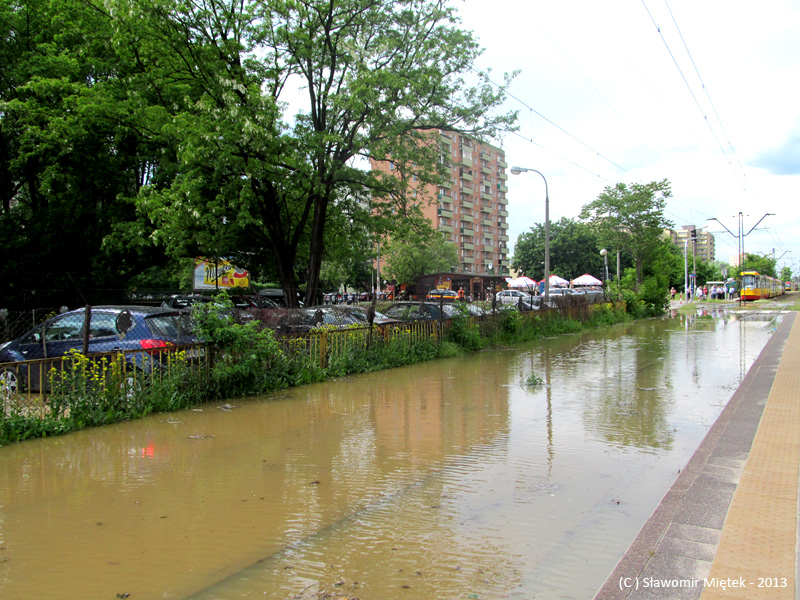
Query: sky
[[703, 93]]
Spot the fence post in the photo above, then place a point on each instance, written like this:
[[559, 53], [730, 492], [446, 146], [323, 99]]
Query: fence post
[[323, 349], [87, 319]]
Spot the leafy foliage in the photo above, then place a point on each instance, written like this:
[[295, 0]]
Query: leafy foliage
[[631, 218], [418, 250], [574, 250], [763, 264], [247, 358], [72, 152], [263, 184]]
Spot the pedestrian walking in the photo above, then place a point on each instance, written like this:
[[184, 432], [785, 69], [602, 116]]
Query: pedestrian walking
[[672, 293]]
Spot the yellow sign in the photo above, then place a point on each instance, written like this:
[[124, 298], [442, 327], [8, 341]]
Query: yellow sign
[[213, 274]]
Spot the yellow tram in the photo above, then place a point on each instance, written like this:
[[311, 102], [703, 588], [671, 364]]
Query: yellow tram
[[756, 286]]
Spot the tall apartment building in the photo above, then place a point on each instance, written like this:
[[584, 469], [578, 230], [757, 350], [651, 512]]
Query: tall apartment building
[[701, 243], [470, 207]]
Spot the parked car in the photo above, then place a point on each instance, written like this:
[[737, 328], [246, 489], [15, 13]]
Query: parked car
[[181, 301], [443, 294], [276, 295], [471, 309], [242, 305], [420, 311], [305, 319], [360, 313], [511, 296], [148, 329]]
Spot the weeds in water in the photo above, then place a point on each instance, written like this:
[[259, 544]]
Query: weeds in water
[[533, 379]]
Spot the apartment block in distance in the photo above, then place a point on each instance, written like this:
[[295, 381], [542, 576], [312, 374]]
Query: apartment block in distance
[[470, 207], [700, 243]]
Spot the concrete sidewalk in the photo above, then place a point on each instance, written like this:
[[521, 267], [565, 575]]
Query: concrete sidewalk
[[730, 518]]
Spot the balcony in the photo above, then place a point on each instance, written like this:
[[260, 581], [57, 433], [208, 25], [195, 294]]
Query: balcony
[[467, 219], [502, 201], [502, 213], [503, 238], [502, 163], [466, 161], [486, 222], [486, 195], [502, 225], [486, 208], [443, 212], [467, 246], [465, 175], [467, 259], [446, 228], [467, 203], [447, 184], [502, 176], [487, 170]]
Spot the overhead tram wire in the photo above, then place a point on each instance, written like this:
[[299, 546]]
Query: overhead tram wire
[[561, 129], [564, 158], [691, 92], [705, 89]]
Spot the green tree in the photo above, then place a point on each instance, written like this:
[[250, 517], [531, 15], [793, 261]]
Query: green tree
[[262, 167], [418, 250], [763, 264], [72, 154], [631, 218], [786, 274], [574, 250]]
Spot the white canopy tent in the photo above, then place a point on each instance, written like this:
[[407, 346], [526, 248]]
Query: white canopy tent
[[586, 279], [521, 282]]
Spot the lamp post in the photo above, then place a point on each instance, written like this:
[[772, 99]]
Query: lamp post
[[604, 254], [517, 171]]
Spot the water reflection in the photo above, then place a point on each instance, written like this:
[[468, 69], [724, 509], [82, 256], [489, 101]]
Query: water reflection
[[443, 480]]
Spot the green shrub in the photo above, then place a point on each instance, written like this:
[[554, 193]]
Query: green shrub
[[464, 333], [246, 359]]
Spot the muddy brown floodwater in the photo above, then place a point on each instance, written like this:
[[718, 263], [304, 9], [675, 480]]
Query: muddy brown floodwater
[[447, 480]]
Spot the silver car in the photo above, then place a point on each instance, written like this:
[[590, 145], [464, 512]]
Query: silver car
[[511, 296]]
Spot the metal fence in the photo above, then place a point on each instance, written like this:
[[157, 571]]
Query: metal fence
[[121, 349]]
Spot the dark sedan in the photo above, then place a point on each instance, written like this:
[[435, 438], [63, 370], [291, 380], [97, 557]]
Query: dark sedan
[[420, 311], [111, 329]]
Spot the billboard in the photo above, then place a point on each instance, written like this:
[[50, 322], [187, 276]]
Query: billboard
[[218, 274]]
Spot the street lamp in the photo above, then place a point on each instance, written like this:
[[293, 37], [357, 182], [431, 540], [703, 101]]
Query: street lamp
[[604, 254], [517, 171]]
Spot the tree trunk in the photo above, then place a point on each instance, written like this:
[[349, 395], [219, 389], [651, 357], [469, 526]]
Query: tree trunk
[[316, 250]]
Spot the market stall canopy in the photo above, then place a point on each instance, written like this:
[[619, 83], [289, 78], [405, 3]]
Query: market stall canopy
[[556, 280], [586, 279], [521, 282]]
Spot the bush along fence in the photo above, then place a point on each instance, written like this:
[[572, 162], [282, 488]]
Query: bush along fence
[[50, 396]]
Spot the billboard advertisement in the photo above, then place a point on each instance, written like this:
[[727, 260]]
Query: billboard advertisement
[[218, 274]]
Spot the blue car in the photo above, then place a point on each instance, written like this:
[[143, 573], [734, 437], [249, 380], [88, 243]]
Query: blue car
[[142, 333]]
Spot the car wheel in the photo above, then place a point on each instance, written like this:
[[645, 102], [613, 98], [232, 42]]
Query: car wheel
[[10, 382]]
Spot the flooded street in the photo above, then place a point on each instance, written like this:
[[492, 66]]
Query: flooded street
[[443, 481]]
